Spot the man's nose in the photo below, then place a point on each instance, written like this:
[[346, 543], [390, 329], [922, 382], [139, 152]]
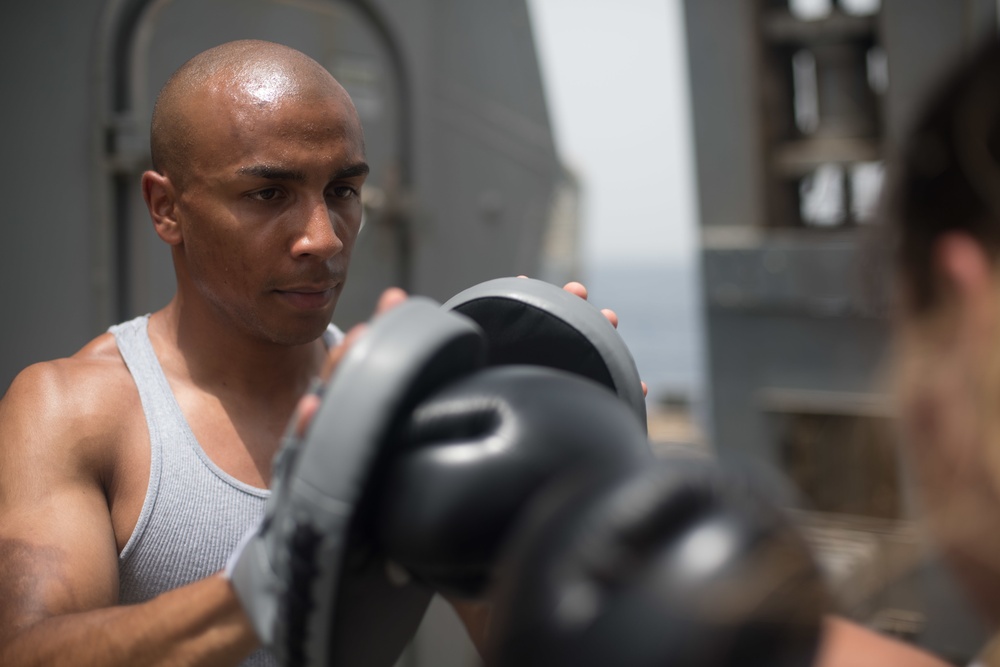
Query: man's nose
[[318, 236]]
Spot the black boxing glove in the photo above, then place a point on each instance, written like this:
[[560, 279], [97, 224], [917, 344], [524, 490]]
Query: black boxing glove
[[474, 454], [681, 564]]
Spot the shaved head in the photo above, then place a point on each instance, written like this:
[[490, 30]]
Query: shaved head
[[259, 162], [243, 76]]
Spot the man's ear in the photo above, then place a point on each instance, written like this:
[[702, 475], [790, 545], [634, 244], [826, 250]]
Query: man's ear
[[969, 281], [161, 201]]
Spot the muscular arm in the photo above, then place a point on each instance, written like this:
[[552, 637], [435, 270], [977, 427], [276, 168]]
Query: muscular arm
[[59, 580], [846, 644], [199, 624]]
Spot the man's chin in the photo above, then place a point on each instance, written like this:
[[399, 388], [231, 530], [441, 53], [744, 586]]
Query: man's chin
[[299, 330]]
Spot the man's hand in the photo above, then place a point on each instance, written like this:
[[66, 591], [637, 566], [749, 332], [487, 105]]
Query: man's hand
[[581, 291]]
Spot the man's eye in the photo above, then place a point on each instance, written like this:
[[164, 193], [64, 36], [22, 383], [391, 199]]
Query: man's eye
[[344, 192], [266, 194]]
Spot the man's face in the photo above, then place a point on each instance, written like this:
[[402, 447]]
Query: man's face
[[948, 390], [271, 208]]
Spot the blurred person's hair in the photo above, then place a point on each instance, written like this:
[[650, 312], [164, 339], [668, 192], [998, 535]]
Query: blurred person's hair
[[947, 175]]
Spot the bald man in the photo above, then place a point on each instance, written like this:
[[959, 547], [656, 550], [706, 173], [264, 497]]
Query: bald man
[[129, 471]]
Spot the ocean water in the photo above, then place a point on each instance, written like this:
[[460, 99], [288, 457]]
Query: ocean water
[[659, 317]]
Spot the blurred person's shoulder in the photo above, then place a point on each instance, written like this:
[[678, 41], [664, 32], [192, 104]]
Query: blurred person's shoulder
[[990, 655]]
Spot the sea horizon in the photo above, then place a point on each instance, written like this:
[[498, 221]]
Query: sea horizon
[[659, 313]]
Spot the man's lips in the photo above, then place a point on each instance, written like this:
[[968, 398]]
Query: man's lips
[[308, 297]]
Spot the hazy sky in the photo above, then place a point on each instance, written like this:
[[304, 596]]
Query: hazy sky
[[616, 79]]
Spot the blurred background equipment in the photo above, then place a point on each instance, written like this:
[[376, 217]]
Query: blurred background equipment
[[796, 106]]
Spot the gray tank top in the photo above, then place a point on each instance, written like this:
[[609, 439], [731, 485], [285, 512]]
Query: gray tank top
[[194, 513]]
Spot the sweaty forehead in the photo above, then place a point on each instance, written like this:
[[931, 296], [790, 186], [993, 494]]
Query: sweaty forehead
[[233, 88], [267, 82]]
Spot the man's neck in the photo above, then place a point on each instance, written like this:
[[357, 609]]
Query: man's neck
[[219, 357]]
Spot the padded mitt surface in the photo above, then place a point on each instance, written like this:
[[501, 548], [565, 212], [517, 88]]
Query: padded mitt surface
[[338, 606], [529, 321]]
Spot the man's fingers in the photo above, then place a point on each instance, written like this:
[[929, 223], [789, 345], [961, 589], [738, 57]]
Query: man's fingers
[[580, 290], [390, 298], [338, 352], [304, 413], [576, 288], [645, 389]]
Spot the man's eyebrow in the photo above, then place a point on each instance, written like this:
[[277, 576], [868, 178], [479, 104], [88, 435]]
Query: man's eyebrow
[[272, 173], [359, 169], [276, 173]]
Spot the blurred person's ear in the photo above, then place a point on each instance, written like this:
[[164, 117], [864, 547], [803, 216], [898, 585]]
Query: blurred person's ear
[[969, 287]]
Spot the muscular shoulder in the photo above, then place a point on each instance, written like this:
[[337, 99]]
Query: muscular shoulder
[[68, 414]]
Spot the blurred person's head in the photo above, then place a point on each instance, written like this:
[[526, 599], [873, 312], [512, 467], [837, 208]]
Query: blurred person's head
[[943, 204]]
